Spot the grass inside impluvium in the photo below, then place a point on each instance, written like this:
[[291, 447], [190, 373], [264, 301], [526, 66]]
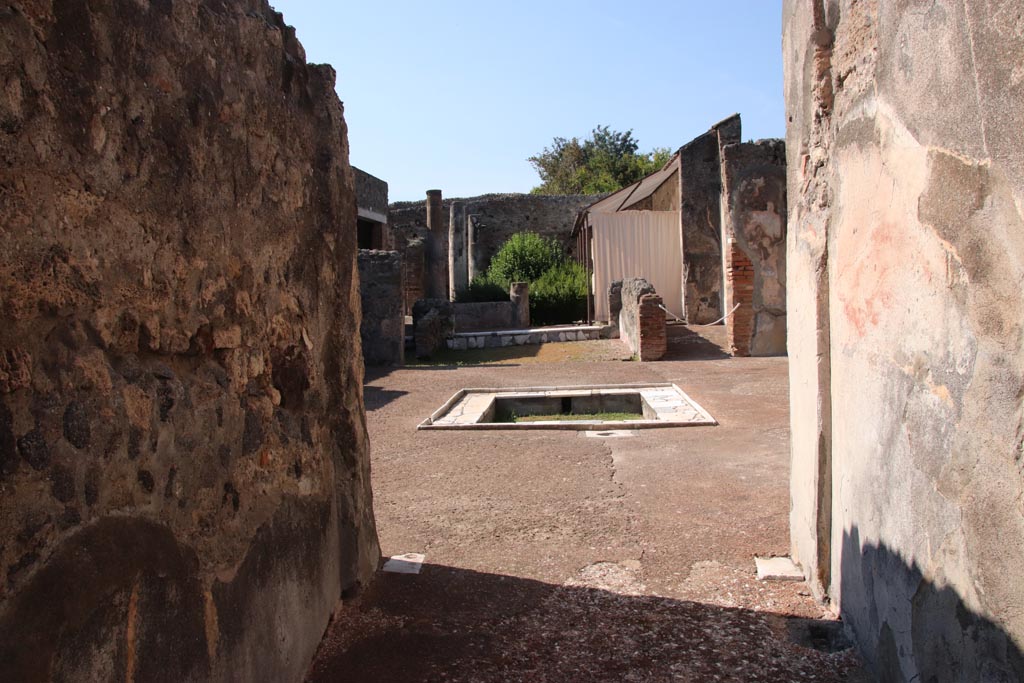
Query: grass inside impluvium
[[601, 417]]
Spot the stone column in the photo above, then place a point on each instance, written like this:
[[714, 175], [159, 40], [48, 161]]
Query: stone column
[[471, 256], [519, 293], [437, 277], [458, 271]]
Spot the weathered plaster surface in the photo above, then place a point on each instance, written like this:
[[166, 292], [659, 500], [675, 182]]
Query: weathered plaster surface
[[184, 471], [754, 218], [906, 259]]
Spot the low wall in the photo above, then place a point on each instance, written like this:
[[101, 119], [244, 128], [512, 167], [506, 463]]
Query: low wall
[[433, 324], [641, 320], [478, 316], [481, 316], [381, 287]]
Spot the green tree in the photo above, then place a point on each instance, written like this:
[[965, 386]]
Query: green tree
[[606, 161], [524, 258]]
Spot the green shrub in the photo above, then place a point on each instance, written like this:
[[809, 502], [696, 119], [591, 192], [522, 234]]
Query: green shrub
[[559, 295], [524, 258], [482, 289]]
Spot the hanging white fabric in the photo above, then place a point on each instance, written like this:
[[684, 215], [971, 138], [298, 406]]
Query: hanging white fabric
[[643, 244]]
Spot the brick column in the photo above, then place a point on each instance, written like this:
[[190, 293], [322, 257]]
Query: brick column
[[739, 284], [653, 334]]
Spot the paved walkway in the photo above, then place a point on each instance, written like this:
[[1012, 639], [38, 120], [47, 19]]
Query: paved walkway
[[553, 556]]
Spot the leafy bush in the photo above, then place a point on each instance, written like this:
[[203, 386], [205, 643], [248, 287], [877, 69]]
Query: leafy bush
[[524, 258], [558, 287], [559, 295], [482, 289]]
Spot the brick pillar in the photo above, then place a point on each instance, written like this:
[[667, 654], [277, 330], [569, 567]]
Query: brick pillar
[[437, 257], [458, 272], [739, 284], [653, 334]]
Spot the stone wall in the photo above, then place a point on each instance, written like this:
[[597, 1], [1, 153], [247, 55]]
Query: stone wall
[[514, 314], [371, 193], [372, 210], [701, 190], [498, 217], [905, 253], [412, 247], [382, 328], [184, 471], [641, 320], [477, 316], [754, 229]]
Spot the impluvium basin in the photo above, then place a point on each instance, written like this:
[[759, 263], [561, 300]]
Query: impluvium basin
[[654, 405]]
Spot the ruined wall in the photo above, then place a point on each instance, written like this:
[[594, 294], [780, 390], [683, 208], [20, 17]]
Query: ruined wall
[[371, 194], [498, 217], [701, 189], [754, 230], [906, 245], [641, 320], [381, 287], [184, 475], [411, 244]]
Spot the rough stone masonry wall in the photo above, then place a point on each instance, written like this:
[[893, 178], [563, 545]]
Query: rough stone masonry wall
[[371, 192], [701, 190], [499, 216], [641, 320], [754, 229], [905, 260], [184, 472], [381, 287]]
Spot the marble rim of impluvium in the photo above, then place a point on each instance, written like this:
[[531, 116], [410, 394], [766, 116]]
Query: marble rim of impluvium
[[672, 406]]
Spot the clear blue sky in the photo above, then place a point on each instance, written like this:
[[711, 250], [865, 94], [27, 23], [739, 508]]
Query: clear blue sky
[[456, 94]]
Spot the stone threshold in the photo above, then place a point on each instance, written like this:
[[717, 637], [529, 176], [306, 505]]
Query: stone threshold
[[666, 405]]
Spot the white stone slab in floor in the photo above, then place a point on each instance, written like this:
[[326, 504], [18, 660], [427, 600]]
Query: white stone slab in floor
[[409, 563], [777, 569], [611, 434]]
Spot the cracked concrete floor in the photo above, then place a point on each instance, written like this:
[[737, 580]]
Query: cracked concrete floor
[[551, 556]]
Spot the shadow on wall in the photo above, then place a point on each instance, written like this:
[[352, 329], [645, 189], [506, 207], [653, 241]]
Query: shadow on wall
[[459, 625], [910, 629]]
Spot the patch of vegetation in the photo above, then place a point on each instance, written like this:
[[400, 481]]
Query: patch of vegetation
[[559, 295], [524, 257], [481, 289], [606, 161], [558, 286]]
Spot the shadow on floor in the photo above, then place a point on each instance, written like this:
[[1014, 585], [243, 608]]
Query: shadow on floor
[[375, 397], [696, 343], [454, 624], [491, 356]]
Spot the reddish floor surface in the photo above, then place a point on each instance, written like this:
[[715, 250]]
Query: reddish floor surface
[[552, 556]]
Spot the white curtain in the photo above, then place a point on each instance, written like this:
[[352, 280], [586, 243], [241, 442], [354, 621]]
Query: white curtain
[[643, 244]]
